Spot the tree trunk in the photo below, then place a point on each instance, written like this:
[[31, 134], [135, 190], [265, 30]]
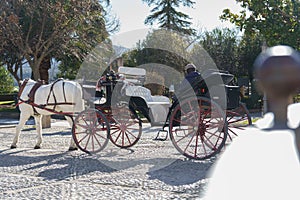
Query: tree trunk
[[43, 69], [46, 121], [44, 75], [35, 74]]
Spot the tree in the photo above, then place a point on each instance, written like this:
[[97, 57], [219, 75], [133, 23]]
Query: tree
[[248, 50], [222, 45], [6, 81], [70, 63], [40, 30], [276, 20], [168, 17], [163, 52], [68, 68], [162, 47]]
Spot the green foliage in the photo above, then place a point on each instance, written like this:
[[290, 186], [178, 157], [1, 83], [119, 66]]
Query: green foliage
[[255, 101], [163, 52], [232, 52], [68, 67], [130, 58], [162, 47], [222, 46], [248, 50], [38, 31], [277, 21], [6, 81], [168, 17]]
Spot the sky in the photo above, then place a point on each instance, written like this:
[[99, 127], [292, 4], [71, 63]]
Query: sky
[[205, 13], [132, 14]]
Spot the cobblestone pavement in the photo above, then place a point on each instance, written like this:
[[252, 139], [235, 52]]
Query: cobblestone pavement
[[149, 170]]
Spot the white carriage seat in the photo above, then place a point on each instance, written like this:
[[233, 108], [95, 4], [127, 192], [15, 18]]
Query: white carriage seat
[[133, 74], [159, 105], [145, 93], [139, 91]]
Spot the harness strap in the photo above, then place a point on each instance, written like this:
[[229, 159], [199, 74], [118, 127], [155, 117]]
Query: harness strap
[[34, 105], [53, 94], [33, 90], [22, 88], [44, 105], [64, 91]]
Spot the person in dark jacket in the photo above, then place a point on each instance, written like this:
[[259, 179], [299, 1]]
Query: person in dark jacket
[[191, 73]]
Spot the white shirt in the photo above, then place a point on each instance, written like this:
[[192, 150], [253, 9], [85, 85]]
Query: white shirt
[[258, 164]]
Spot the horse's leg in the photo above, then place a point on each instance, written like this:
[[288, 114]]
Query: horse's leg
[[72, 146], [38, 124], [24, 116]]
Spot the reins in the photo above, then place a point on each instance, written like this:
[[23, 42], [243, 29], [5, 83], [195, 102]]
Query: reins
[[22, 88]]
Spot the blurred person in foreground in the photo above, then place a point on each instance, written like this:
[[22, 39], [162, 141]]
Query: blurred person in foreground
[[263, 163]]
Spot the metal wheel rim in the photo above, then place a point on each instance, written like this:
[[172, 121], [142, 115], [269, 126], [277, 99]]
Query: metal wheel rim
[[199, 140], [91, 131]]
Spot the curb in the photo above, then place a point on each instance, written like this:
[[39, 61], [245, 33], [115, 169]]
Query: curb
[[8, 126]]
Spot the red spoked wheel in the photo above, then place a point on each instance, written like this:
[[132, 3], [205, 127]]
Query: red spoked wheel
[[126, 127], [237, 119], [198, 128], [91, 131]]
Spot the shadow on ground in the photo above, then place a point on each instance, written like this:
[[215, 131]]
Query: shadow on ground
[[66, 165]]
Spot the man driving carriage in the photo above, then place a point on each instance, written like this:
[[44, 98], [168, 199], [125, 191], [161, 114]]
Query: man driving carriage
[[191, 72], [192, 79]]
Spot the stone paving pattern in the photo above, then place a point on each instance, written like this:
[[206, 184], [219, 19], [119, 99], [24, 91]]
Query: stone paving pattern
[[149, 170]]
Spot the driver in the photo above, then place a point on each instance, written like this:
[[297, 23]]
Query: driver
[[191, 74]]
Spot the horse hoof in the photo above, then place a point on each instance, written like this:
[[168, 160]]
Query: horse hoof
[[13, 146], [37, 147], [73, 148]]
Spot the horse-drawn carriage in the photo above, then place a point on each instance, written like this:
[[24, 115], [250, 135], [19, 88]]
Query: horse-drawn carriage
[[198, 122]]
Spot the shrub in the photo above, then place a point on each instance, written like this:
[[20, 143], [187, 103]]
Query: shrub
[[255, 101], [155, 83], [6, 81]]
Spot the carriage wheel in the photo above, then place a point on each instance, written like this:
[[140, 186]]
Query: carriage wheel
[[237, 119], [91, 131], [198, 128], [126, 128]]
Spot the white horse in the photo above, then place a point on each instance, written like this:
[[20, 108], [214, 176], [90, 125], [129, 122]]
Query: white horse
[[61, 96]]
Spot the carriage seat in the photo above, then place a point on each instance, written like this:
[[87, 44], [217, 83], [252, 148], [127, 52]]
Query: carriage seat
[[133, 74], [158, 105], [145, 93]]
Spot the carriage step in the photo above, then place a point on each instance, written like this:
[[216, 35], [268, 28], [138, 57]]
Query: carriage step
[[158, 136]]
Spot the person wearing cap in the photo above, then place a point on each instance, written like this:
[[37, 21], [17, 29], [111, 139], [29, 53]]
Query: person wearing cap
[[191, 73]]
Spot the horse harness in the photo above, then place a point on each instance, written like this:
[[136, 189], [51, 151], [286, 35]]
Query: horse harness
[[31, 96]]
